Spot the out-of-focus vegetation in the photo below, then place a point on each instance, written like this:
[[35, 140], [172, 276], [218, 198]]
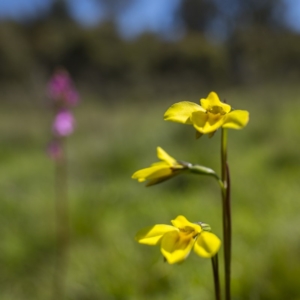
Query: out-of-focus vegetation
[[126, 86], [257, 46], [107, 207]]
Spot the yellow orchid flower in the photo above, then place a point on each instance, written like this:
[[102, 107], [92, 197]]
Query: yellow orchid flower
[[209, 116], [177, 241], [159, 171]]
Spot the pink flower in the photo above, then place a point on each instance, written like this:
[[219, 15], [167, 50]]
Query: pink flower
[[54, 150], [63, 123], [61, 88]]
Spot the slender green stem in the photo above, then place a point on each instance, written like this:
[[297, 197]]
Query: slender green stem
[[226, 213], [62, 224], [215, 267], [223, 153]]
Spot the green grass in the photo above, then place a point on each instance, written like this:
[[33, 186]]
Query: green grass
[[107, 207]]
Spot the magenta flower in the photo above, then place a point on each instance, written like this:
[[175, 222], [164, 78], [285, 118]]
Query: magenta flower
[[61, 88], [54, 150], [63, 123], [63, 96]]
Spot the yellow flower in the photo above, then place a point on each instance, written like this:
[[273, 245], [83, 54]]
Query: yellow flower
[[207, 118], [177, 241], [159, 171]]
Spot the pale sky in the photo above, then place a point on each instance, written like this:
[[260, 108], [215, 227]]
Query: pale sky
[[155, 15]]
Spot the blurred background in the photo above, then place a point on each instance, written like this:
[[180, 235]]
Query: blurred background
[[130, 60]]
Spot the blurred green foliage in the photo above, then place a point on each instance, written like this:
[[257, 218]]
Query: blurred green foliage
[[107, 207], [126, 86], [256, 48]]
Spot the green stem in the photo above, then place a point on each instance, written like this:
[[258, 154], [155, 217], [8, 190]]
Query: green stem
[[226, 213], [215, 267], [62, 223]]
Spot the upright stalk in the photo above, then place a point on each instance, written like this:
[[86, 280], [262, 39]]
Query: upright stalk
[[226, 213], [215, 267], [62, 223]]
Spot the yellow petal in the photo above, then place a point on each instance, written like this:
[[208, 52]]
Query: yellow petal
[[207, 122], [160, 163], [180, 112], [213, 100], [176, 246], [199, 119], [155, 171], [207, 244], [182, 223], [151, 235], [162, 179], [237, 119], [163, 155]]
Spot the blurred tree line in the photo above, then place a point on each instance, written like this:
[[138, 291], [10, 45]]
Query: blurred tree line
[[255, 45]]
